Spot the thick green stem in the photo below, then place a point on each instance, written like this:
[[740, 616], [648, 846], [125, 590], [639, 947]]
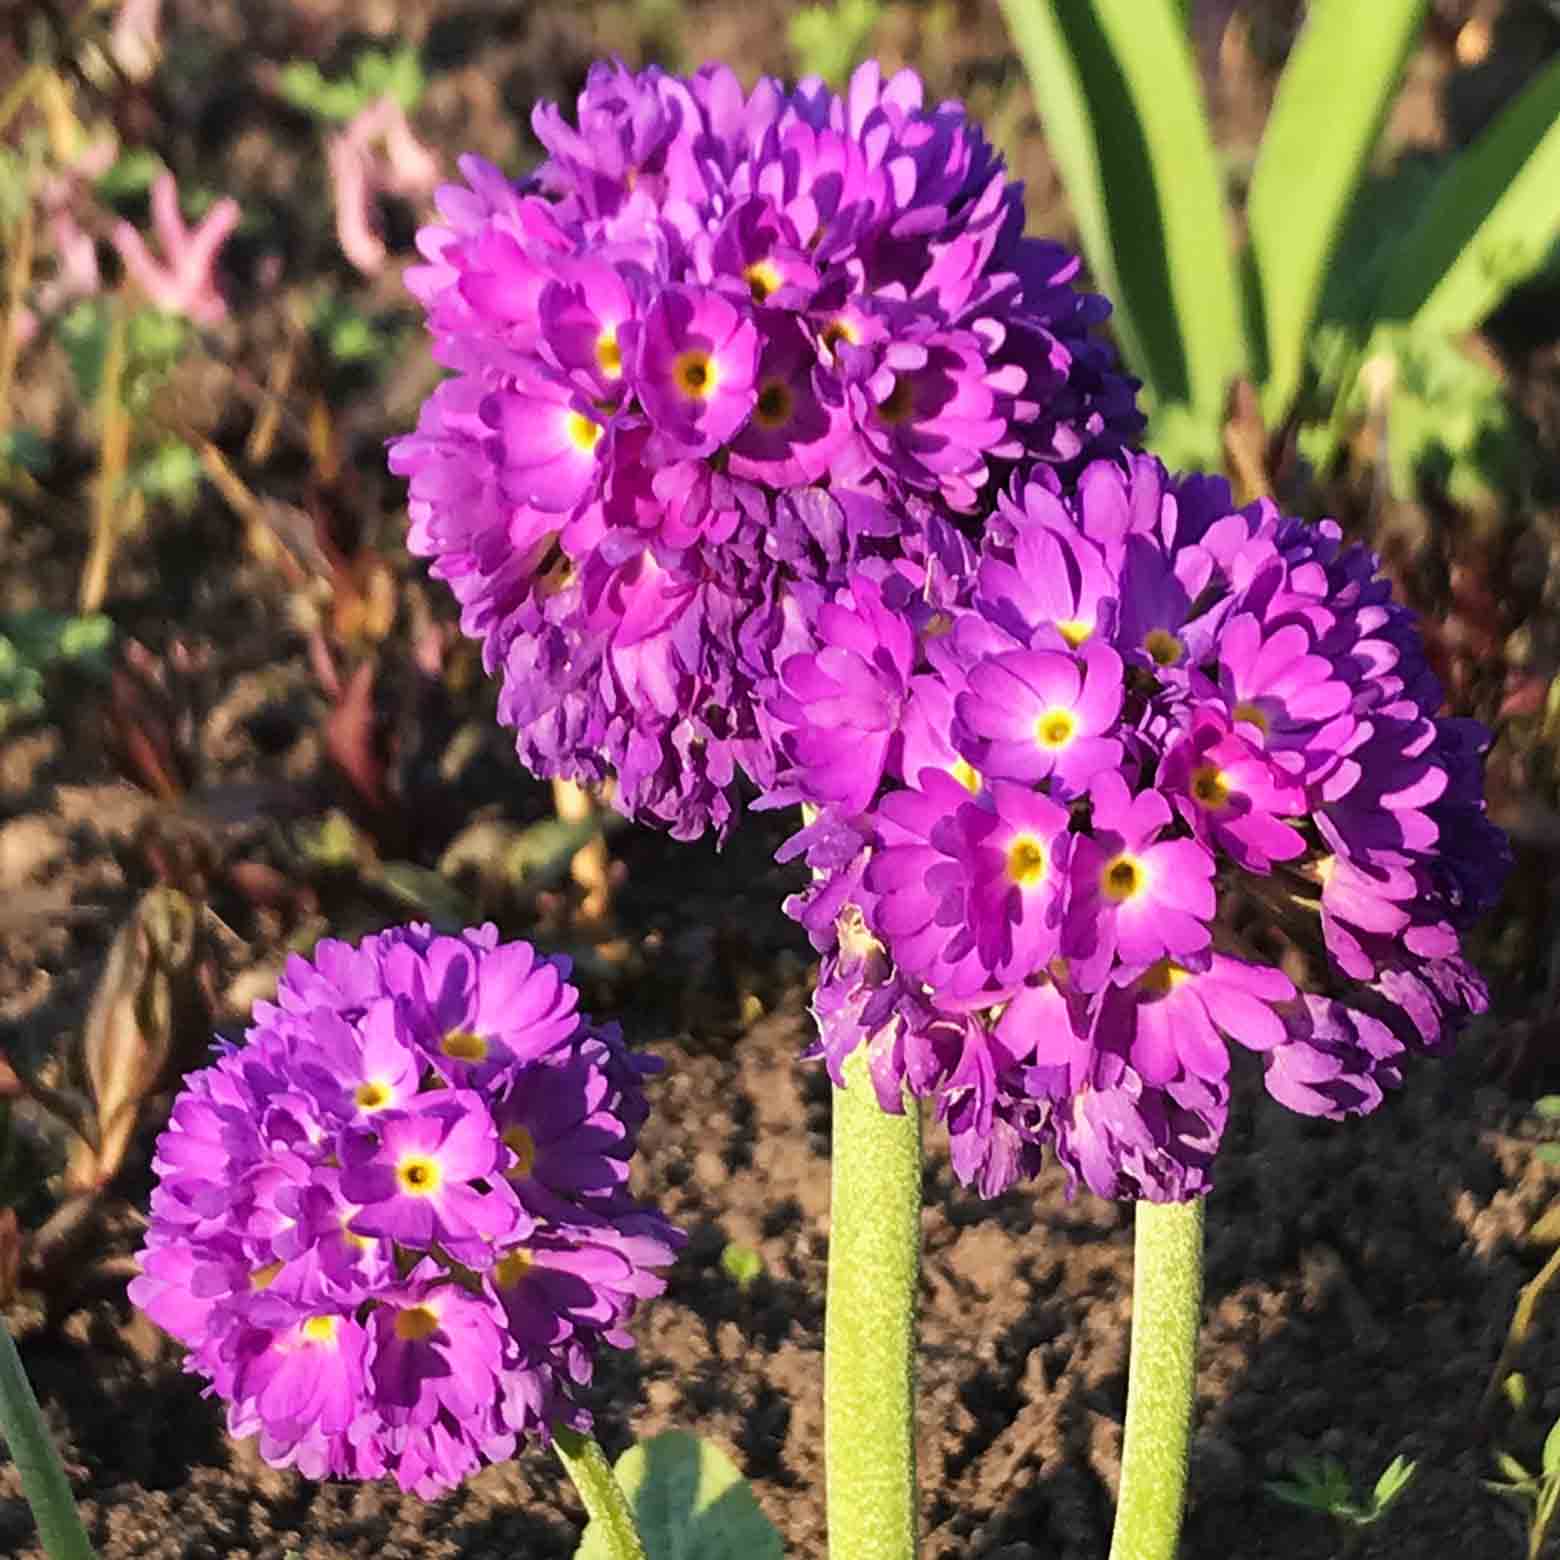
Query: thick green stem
[[605, 1502], [42, 1474], [1161, 1381], [869, 1325]]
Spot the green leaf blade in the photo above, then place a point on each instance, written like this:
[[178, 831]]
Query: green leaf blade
[[1116, 85], [690, 1503], [1491, 220], [1331, 102]]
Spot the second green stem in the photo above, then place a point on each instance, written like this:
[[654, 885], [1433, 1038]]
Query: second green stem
[[869, 1325], [1161, 1379]]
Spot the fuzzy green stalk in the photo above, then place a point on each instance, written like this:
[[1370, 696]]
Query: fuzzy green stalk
[[605, 1503], [37, 1463], [1161, 1379], [869, 1324]]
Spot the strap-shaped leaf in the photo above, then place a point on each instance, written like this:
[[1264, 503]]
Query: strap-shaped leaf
[[1334, 93], [1115, 84], [1491, 220]]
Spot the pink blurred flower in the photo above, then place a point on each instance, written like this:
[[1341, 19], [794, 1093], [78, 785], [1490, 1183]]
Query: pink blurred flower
[[183, 281], [377, 154], [133, 41]]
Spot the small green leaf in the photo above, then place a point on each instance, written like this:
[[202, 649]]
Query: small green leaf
[[428, 894], [170, 471], [830, 40], [132, 174], [690, 1502], [1515, 1388], [741, 1264], [1513, 1470], [375, 74], [28, 449], [1395, 1478], [83, 332], [1550, 1457], [1547, 1106], [1547, 1153]]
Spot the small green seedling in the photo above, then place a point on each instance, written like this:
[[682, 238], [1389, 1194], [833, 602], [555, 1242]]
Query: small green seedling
[[1323, 1484], [741, 1264], [34, 641], [375, 74], [830, 40], [1540, 1491], [1547, 1108]]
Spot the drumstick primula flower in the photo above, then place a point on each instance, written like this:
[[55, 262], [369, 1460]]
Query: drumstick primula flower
[[392, 1227]]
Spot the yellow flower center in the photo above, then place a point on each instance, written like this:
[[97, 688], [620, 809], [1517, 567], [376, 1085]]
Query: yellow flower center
[[583, 432], [519, 1141], [1253, 715], [763, 277], [419, 1175], [1163, 977], [372, 1095], [1124, 877], [609, 355], [967, 775], [350, 1235], [838, 330], [1074, 631], [1209, 787], [694, 374], [1163, 647], [415, 1323], [464, 1046], [1025, 861], [321, 1329], [509, 1270], [899, 403], [263, 1278], [775, 404], [1055, 728]]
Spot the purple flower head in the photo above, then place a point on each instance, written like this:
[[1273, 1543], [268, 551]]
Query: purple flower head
[[351, 1204], [740, 346], [1128, 768]]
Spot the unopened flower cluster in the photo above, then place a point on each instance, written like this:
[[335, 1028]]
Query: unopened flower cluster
[[392, 1227], [1167, 774], [722, 347]]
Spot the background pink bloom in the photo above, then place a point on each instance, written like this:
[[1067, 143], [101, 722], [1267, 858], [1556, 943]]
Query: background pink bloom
[[183, 281]]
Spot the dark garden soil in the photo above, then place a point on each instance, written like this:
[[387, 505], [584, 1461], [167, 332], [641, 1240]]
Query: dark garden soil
[[1359, 1276]]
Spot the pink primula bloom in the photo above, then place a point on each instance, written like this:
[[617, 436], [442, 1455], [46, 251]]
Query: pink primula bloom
[[377, 154], [182, 282], [1135, 896], [1231, 793]]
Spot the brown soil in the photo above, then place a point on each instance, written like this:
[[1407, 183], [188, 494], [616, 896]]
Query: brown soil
[[1359, 1277]]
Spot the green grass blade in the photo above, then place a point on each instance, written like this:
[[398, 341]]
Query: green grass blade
[[1057, 86], [1334, 93], [1116, 86], [1491, 220]]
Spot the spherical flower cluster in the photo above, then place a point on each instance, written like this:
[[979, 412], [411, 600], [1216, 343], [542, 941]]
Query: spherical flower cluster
[[721, 348], [1165, 774], [392, 1227]]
